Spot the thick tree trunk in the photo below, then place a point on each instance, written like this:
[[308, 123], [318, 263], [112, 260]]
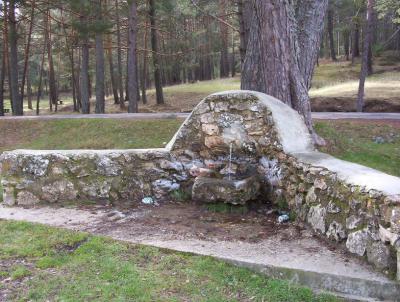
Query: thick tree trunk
[[273, 63], [365, 54], [132, 59], [119, 58], [331, 35], [16, 100], [100, 93], [154, 47], [27, 52]]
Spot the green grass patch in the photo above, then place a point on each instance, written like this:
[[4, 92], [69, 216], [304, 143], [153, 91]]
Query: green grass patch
[[100, 269], [355, 141], [20, 272], [86, 134]]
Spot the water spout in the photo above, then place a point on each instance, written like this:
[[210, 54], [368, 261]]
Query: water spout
[[230, 161]]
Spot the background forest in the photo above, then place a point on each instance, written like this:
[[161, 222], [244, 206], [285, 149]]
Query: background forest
[[82, 55]]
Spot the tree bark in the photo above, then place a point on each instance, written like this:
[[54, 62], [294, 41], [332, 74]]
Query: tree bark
[[132, 59], [310, 23], [154, 47], [16, 100], [272, 64], [331, 36], [100, 94], [365, 55]]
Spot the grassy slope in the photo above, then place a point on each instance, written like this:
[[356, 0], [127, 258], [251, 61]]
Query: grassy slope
[[354, 141], [86, 134], [62, 265]]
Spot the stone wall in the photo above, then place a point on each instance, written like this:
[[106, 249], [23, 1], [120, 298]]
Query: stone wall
[[229, 133]]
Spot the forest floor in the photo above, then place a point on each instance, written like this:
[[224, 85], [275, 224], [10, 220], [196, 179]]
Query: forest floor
[[335, 86]]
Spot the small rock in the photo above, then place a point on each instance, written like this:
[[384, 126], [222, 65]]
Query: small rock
[[336, 231], [311, 197], [148, 200], [26, 198], [332, 208], [378, 140], [319, 183]]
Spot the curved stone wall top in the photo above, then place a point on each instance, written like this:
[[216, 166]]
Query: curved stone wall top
[[291, 129]]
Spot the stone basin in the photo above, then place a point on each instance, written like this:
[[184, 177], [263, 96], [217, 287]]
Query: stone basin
[[233, 191]]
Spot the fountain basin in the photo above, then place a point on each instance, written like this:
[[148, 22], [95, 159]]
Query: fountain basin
[[233, 191]]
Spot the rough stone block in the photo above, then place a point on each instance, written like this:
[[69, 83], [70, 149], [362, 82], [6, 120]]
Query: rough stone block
[[357, 242], [316, 217], [235, 192]]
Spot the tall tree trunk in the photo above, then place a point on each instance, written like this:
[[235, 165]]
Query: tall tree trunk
[[16, 100], [331, 35], [355, 52], [2, 78], [272, 63], [132, 59], [53, 99], [39, 90], [29, 90], [85, 72], [100, 94], [245, 17], [346, 37], [144, 69], [119, 58], [114, 85], [27, 52], [365, 54], [154, 48], [224, 60], [4, 59]]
